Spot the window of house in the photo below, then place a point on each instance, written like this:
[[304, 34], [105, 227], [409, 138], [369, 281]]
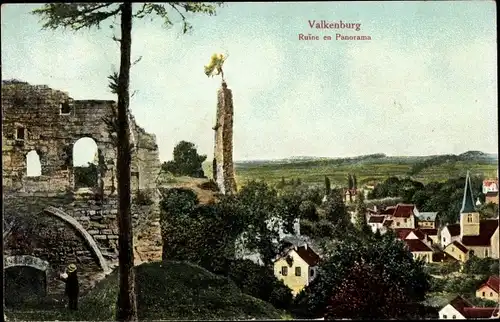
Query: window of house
[[444, 240], [452, 249], [312, 272], [298, 271], [397, 224], [491, 294], [284, 270], [484, 293], [65, 108], [469, 218], [454, 317], [486, 253], [20, 133], [445, 316]]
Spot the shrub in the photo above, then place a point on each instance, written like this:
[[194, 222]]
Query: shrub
[[260, 282], [209, 185], [476, 265]]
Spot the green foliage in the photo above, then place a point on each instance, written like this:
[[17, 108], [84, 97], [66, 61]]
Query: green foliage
[[476, 265], [443, 268], [447, 158], [358, 296], [86, 176], [307, 210], [350, 181], [186, 161], [328, 186], [260, 282], [336, 211], [360, 211], [77, 16], [477, 301], [384, 252], [488, 210], [463, 285]]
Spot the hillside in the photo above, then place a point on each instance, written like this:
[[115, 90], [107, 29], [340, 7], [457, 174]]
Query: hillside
[[167, 291], [369, 169]]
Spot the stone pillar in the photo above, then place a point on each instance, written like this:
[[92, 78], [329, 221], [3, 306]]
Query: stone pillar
[[223, 165]]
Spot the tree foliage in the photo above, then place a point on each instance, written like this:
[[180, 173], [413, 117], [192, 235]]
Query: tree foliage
[[328, 186], [367, 292], [186, 161], [385, 252]]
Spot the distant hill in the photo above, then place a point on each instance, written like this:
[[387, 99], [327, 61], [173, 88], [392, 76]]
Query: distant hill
[[369, 169]]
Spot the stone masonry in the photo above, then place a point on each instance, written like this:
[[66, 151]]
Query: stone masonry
[[48, 220], [223, 167]]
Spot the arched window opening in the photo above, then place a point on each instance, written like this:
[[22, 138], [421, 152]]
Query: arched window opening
[[33, 165], [65, 108], [85, 163], [24, 285]]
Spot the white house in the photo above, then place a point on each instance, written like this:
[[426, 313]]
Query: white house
[[449, 234], [461, 309]]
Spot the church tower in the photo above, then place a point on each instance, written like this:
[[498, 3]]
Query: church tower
[[469, 217]]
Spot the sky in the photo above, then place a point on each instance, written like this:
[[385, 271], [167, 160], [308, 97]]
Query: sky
[[425, 83]]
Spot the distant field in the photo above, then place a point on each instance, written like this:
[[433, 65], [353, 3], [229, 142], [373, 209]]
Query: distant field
[[367, 171]]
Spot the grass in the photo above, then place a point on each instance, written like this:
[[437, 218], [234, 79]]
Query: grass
[[366, 172], [165, 291]]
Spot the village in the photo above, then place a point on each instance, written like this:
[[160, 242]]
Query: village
[[141, 196]]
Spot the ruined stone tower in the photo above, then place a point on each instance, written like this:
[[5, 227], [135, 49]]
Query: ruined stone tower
[[223, 168]]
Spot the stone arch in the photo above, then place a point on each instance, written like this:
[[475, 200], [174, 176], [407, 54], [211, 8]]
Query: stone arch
[[88, 238], [26, 260]]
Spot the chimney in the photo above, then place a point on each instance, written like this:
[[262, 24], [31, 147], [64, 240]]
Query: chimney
[[375, 208], [305, 246]]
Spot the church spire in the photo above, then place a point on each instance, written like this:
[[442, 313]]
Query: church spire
[[468, 201]]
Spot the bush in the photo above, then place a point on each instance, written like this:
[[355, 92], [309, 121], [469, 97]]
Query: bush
[[142, 198], [476, 265], [260, 282]]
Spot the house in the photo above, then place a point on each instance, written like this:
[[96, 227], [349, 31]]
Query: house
[[376, 222], [349, 195], [449, 234], [490, 190], [489, 289], [457, 251], [432, 234], [441, 257], [419, 249], [480, 237], [403, 216], [427, 219], [461, 309], [297, 267]]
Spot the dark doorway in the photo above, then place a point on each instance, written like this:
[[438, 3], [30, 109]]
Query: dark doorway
[[24, 285]]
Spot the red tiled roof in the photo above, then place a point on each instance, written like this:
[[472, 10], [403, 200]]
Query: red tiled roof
[[459, 303], [388, 211], [479, 312], [420, 234], [416, 245], [487, 228], [401, 233], [454, 229], [388, 222], [308, 255], [471, 312], [460, 246], [403, 211], [376, 219], [493, 282], [429, 231]]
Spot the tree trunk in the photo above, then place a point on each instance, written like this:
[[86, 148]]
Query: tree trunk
[[126, 309]]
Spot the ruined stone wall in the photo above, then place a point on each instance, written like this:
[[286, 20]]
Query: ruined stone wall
[[61, 243], [93, 212], [52, 135], [223, 167]]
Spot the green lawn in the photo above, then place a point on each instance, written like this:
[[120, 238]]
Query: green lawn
[[165, 291]]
